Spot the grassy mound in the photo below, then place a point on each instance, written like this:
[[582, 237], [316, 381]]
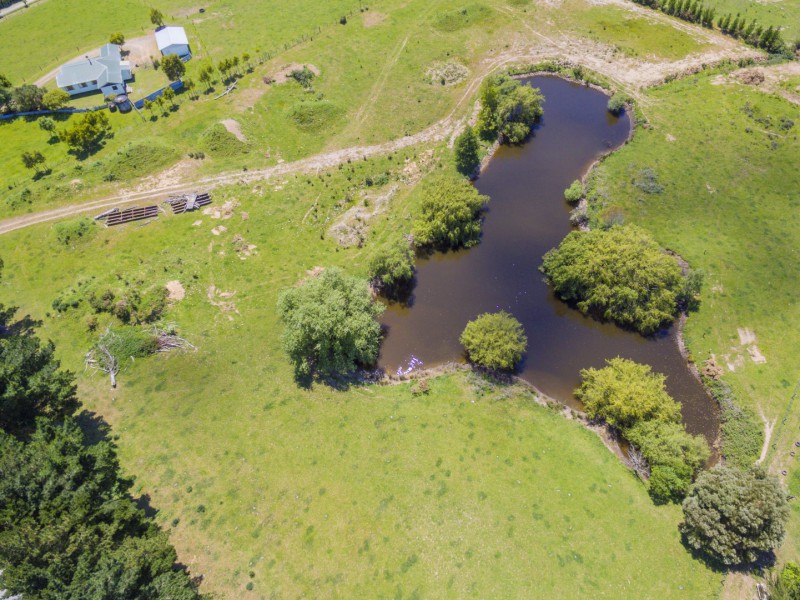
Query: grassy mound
[[218, 141], [133, 160], [314, 115]]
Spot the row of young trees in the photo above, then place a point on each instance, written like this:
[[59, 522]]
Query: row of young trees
[[695, 11], [69, 527]]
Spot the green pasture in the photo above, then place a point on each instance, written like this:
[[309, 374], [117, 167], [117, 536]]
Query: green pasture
[[470, 489], [726, 156], [374, 84], [631, 35]]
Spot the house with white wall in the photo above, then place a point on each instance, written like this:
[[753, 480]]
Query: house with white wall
[[107, 73], [172, 40]]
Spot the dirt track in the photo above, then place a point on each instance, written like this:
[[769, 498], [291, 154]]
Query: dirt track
[[629, 74]]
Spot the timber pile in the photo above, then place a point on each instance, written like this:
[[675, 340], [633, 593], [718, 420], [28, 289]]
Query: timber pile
[[189, 202], [137, 213]]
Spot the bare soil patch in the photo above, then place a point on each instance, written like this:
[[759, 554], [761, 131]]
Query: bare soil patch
[[372, 18], [235, 128], [285, 73], [176, 291], [352, 227], [223, 212], [141, 50], [219, 230]]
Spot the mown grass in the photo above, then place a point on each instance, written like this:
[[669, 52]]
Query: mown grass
[[728, 165], [468, 490]]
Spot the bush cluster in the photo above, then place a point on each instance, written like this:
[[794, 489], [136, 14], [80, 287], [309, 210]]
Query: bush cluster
[[450, 214], [494, 340], [509, 109], [633, 399], [620, 274]]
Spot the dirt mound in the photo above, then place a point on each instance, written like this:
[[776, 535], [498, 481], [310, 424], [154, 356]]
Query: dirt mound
[[751, 76], [175, 290], [235, 128]]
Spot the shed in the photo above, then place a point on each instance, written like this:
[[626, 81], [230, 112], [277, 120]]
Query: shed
[[172, 40]]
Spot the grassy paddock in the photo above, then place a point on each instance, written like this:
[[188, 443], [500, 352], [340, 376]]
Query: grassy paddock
[[727, 160], [370, 491]]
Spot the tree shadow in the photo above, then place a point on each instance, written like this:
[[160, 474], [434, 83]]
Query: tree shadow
[[42, 174], [766, 560], [341, 382], [94, 426], [143, 504], [24, 326]]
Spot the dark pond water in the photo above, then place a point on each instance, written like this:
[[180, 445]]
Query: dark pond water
[[527, 216]]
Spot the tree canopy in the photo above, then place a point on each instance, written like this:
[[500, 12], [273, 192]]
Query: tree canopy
[[449, 216], [674, 456], [156, 17], [624, 393], [734, 517], [32, 384], [494, 340], [55, 99], [330, 324], [620, 274], [509, 109], [69, 528], [392, 268], [173, 67], [466, 152], [27, 97], [86, 133]]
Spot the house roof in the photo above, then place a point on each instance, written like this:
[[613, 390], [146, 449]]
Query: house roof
[[104, 69], [171, 36]]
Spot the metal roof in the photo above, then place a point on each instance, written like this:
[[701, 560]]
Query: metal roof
[[171, 36], [104, 69]]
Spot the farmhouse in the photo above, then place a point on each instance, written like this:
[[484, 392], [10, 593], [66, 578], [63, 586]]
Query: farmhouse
[[172, 40], [107, 73]]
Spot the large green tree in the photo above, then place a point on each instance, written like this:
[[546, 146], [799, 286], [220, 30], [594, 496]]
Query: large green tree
[[173, 67], [69, 528], [55, 99], [87, 133], [330, 325], [494, 340], [735, 517], [620, 274], [449, 216], [675, 457], [624, 393], [27, 97], [32, 384], [509, 109]]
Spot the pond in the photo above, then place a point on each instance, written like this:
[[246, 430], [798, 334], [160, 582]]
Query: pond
[[527, 216]]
